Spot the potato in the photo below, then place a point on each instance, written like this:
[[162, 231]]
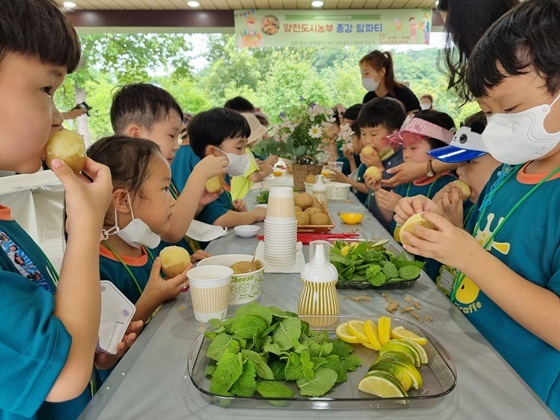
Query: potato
[[368, 151], [312, 210], [302, 218], [465, 189], [317, 204], [215, 185], [68, 146], [310, 179], [244, 267], [319, 219], [303, 200], [411, 224], [174, 260], [373, 172], [298, 209]]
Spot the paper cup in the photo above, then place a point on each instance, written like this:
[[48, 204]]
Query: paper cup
[[210, 287]]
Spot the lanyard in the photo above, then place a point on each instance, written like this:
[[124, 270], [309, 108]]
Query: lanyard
[[429, 189], [117, 256], [507, 174]]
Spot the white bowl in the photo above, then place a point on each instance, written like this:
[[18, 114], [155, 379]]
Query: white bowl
[[246, 231], [245, 287]]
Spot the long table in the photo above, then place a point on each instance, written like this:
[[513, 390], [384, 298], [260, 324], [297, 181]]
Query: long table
[[151, 380]]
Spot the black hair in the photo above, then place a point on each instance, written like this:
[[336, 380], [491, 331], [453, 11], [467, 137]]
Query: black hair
[[477, 122], [385, 111], [438, 118], [128, 159], [239, 104], [212, 127], [427, 96], [352, 112], [524, 39], [355, 127], [262, 119], [383, 60], [38, 29], [142, 104], [465, 24]]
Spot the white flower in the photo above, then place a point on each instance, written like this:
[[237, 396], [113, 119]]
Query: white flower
[[315, 131], [345, 133]]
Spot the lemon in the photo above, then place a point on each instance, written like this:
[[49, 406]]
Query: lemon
[[343, 334], [384, 329], [414, 374], [421, 351], [397, 370], [356, 328], [381, 384], [371, 333], [396, 356], [402, 347], [367, 344], [345, 250], [401, 332]]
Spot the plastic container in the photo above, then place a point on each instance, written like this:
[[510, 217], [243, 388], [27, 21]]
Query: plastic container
[[320, 189], [318, 294]]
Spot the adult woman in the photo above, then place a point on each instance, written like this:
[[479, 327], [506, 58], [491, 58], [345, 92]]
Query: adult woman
[[378, 78], [461, 37]]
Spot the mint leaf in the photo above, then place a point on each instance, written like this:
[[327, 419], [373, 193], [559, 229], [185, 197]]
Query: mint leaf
[[210, 369], [390, 270], [261, 367], [340, 348], [409, 272], [273, 389], [248, 326], [350, 362], [246, 384], [333, 362], [278, 369], [228, 370], [262, 312], [322, 383], [219, 346], [377, 279], [286, 331]]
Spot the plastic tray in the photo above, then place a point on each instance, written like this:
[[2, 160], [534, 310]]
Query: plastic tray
[[439, 377]]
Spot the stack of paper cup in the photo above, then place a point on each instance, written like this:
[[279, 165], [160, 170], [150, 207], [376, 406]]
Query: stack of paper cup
[[280, 228]]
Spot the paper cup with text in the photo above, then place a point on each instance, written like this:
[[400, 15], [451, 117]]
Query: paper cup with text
[[210, 287]]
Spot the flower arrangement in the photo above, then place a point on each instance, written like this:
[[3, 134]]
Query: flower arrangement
[[302, 133]]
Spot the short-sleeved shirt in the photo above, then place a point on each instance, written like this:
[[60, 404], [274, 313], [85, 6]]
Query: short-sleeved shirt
[[529, 244], [34, 344], [240, 185], [403, 94], [360, 178]]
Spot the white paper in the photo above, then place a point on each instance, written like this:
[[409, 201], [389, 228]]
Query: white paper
[[204, 232], [116, 313]]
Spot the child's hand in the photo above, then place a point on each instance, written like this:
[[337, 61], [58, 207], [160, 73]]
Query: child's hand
[[409, 206], [208, 197], [348, 153], [270, 160], [387, 200], [372, 183], [106, 361], [338, 177], [448, 244], [403, 173], [260, 213], [371, 160], [452, 203], [86, 201], [199, 255], [159, 290], [213, 165], [239, 205]]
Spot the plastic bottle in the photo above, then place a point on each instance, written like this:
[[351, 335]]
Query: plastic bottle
[[320, 189], [318, 294]]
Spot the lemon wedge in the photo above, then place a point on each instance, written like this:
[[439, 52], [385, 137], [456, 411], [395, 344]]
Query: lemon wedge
[[356, 328], [401, 332], [371, 333], [384, 329], [343, 334]]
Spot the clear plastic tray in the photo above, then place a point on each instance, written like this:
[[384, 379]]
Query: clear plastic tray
[[439, 377]]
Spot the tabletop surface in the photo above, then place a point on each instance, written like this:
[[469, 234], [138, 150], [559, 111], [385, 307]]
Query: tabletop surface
[[151, 380]]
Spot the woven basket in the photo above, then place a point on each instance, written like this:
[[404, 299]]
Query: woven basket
[[300, 172]]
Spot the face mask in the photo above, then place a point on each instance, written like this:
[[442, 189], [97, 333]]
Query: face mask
[[370, 84], [136, 233], [424, 106], [238, 164], [520, 137]]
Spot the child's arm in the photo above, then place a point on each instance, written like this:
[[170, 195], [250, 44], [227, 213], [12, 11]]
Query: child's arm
[[409, 171], [188, 202], [358, 186], [386, 202], [234, 218], [265, 169], [349, 154], [532, 306], [78, 295]]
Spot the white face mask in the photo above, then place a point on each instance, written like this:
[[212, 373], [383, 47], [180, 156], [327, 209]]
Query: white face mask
[[370, 84], [424, 106], [238, 164], [136, 233], [520, 137]]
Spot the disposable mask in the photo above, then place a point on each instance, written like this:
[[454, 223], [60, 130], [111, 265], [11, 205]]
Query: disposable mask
[[136, 233], [370, 84], [238, 164], [424, 106], [520, 137]]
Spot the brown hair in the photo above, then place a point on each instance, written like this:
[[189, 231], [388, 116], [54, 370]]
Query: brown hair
[[383, 60]]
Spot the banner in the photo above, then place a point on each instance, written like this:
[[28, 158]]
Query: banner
[[332, 28]]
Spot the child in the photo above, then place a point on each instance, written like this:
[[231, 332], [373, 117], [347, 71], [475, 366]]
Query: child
[[142, 110], [349, 160], [48, 337], [509, 287], [223, 132], [240, 185], [141, 178]]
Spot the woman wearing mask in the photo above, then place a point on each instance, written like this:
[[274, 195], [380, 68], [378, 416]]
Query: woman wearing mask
[[378, 78]]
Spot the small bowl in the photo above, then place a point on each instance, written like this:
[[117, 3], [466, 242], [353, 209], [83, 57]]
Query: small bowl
[[351, 218], [277, 173], [246, 231]]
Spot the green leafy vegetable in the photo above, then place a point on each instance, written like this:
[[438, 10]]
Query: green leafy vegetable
[[262, 197], [273, 389], [323, 380], [228, 370], [246, 384]]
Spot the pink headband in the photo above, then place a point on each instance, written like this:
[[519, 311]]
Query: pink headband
[[423, 128]]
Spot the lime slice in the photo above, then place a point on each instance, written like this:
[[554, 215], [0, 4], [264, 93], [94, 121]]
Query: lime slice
[[384, 329], [356, 328], [421, 351], [401, 332], [403, 347], [343, 334], [397, 370], [371, 333], [381, 384], [396, 356], [410, 370]]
